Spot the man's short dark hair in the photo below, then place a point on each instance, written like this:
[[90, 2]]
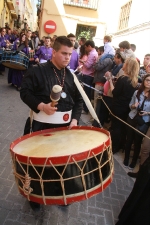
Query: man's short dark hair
[[91, 43], [124, 45], [101, 48], [62, 40], [83, 39], [48, 38], [70, 35], [119, 56], [147, 55]]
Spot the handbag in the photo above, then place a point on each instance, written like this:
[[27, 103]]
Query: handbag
[[143, 128]]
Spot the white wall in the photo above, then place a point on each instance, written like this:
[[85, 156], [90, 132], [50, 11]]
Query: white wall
[[138, 38], [139, 14]]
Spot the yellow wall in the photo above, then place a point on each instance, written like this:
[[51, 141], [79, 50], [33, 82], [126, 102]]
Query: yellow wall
[[67, 17], [29, 7], [1, 6]]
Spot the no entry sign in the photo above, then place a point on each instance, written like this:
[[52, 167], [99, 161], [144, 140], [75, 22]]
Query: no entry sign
[[50, 27]]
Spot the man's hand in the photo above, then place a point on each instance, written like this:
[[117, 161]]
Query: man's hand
[[47, 108], [143, 113], [37, 60], [108, 74], [73, 123]]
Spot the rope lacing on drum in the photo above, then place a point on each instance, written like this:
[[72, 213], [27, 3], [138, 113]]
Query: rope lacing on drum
[[82, 173], [61, 178], [27, 180]]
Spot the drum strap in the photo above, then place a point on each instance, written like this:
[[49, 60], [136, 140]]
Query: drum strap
[[31, 119], [21, 47]]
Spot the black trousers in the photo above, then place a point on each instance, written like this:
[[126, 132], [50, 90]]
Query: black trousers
[[102, 111], [132, 136], [118, 131]]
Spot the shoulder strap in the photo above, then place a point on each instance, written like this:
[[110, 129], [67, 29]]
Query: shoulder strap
[[143, 102], [21, 47]]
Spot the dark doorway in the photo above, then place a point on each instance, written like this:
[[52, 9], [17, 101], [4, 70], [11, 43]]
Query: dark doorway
[[85, 31]]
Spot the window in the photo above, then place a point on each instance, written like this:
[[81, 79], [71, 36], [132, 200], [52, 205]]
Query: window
[[124, 15], [89, 4]]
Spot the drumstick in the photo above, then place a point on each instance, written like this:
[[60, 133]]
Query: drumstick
[[55, 94], [86, 99]]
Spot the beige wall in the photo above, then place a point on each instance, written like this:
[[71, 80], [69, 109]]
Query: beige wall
[[67, 18], [1, 12], [138, 27]]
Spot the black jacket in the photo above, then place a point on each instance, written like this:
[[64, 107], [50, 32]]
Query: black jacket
[[37, 86]]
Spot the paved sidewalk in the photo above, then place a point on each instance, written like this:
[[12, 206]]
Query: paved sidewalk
[[102, 209]]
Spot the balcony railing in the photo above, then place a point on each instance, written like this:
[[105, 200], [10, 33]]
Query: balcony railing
[[13, 14], [10, 4], [88, 4]]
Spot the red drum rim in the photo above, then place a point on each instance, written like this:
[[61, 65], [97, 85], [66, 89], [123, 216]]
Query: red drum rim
[[63, 159], [69, 199]]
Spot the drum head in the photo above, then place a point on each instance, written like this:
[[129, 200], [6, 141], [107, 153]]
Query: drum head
[[60, 143], [13, 66]]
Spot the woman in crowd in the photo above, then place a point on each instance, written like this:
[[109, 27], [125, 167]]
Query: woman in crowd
[[140, 106], [122, 94], [82, 58], [15, 76]]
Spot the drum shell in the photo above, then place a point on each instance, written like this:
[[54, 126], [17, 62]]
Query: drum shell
[[1, 52], [17, 61], [73, 182]]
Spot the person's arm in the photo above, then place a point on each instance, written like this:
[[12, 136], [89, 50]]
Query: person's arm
[[117, 90], [36, 42], [90, 61], [134, 101], [29, 85], [101, 64], [37, 55]]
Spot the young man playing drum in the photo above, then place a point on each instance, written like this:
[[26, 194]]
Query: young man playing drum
[[37, 87]]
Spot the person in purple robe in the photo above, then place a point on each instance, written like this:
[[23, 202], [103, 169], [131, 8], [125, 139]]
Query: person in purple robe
[[15, 76], [10, 36], [3, 39], [44, 53], [74, 61]]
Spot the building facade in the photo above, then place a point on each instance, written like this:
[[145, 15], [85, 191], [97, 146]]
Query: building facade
[[72, 16], [7, 13], [16, 13], [128, 20], [122, 19]]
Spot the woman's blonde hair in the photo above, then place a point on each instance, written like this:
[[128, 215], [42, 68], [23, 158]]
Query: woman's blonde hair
[[132, 70]]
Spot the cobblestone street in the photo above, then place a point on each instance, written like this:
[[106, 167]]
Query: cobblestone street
[[102, 209]]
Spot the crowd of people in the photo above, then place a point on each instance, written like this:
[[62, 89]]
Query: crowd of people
[[116, 75]]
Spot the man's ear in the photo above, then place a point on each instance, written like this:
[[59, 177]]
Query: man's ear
[[54, 52]]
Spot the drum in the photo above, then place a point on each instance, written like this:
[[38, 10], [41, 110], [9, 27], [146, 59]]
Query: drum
[[1, 52], [15, 61], [62, 166]]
